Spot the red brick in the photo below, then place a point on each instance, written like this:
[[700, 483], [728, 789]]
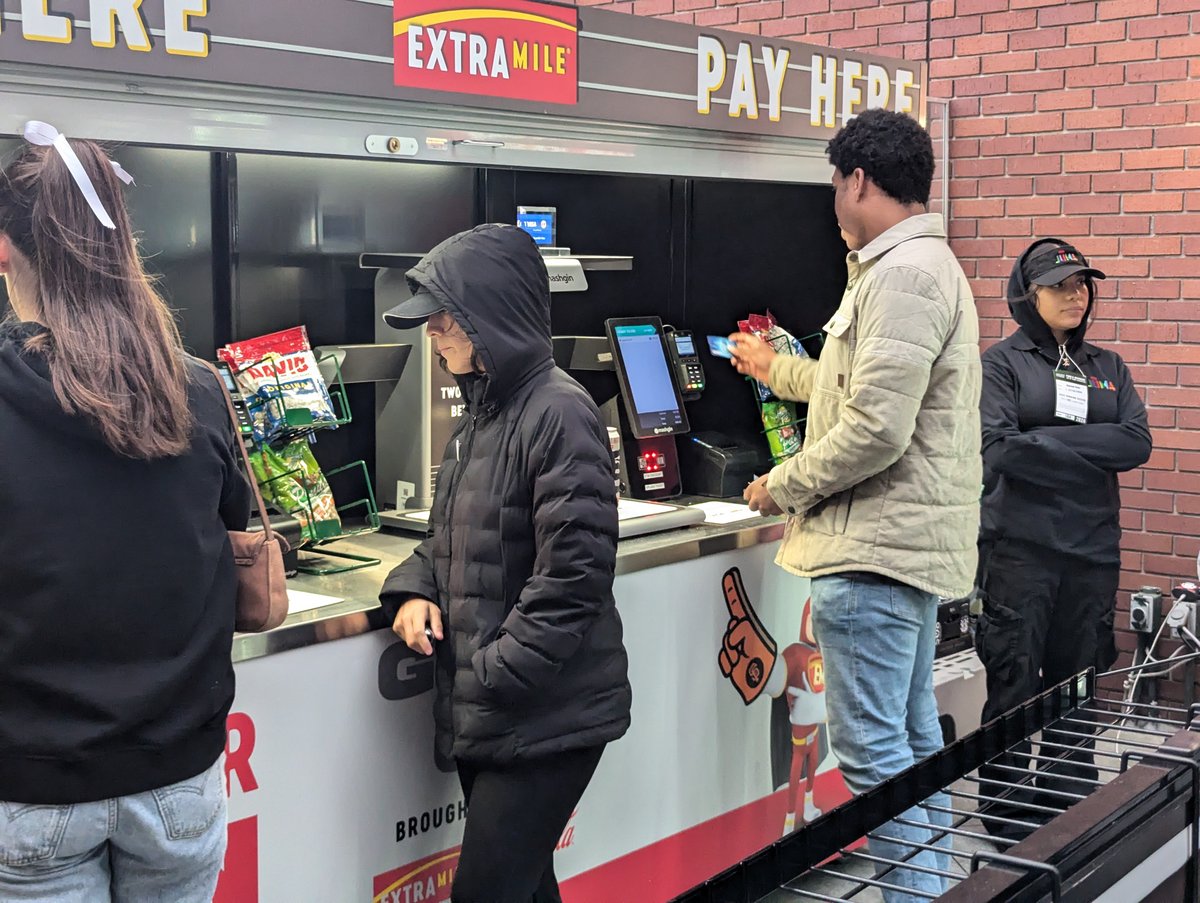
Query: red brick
[[1011, 21], [1114, 266], [1178, 354], [842, 5], [1039, 123], [1126, 51], [1008, 187], [755, 12], [1092, 162], [1156, 289], [785, 28], [1064, 142], [1127, 9], [1160, 459], [1034, 206], [975, 7], [1124, 139], [1074, 99], [1168, 7], [1125, 310], [1073, 12], [1004, 104], [1157, 71], [1095, 33], [973, 45], [1159, 27], [986, 84], [1009, 62], [1176, 267], [1051, 80], [1062, 225], [953, 28], [805, 7], [964, 188], [830, 22], [1187, 47], [1005, 227], [1189, 90], [973, 169], [1095, 119], [1007, 146], [1148, 542], [1094, 76], [896, 34], [744, 27], [1148, 501], [964, 107], [976, 128], [954, 68], [1158, 158], [1038, 39], [684, 18], [964, 147], [1091, 204], [1152, 246], [989, 247], [981, 207], [723, 16], [881, 15], [682, 5], [1184, 223], [1066, 57], [1148, 113], [1170, 482]]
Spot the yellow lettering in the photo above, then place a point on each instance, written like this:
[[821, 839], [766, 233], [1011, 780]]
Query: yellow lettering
[[537, 49], [105, 15], [824, 91], [904, 81], [710, 71], [878, 87], [560, 62], [39, 24], [180, 39], [520, 55], [851, 93]]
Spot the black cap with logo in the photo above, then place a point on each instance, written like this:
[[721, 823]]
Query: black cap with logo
[[1054, 263]]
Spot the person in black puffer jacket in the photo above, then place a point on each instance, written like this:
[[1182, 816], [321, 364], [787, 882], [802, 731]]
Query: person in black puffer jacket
[[512, 589]]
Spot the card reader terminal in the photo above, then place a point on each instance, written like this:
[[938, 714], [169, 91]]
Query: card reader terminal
[[688, 369], [239, 402]]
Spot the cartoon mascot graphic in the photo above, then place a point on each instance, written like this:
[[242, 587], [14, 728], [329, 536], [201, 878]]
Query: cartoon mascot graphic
[[750, 660]]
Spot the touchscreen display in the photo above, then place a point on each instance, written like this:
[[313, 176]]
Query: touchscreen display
[[647, 374], [684, 345], [538, 222]]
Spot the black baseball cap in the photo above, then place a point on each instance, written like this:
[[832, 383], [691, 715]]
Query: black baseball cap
[[1056, 262], [413, 312]]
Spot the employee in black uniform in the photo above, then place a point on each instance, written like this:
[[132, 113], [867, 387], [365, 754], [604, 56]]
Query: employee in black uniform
[[1061, 419]]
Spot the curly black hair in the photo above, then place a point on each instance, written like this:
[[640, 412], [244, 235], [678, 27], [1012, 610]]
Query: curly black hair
[[891, 149]]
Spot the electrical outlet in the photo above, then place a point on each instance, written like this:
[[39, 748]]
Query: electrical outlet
[[404, 490], [1145, 610]]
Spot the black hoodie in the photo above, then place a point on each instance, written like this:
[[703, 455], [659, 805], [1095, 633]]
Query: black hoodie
[[117, 594], [1047, 480], [523, 534]]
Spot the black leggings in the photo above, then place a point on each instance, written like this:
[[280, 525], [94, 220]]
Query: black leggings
[[515, 817]]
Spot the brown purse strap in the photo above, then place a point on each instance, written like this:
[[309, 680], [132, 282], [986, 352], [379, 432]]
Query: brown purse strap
[[237, 438]]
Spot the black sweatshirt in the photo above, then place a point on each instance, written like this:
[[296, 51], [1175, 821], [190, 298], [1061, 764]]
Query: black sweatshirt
[[1047, 480], [117, 595]]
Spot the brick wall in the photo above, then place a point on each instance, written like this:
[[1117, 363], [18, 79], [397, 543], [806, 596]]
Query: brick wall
[[1078, 119]]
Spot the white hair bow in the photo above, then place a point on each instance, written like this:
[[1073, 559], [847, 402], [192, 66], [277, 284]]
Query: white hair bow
[[45, 135]]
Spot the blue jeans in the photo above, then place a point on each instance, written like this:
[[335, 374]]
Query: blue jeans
[[877, 640], [161, 846]]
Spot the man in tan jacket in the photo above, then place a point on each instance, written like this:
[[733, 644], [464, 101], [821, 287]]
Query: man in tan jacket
[[883, 499]]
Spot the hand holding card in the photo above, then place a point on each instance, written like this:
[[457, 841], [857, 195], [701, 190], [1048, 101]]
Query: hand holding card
[[719, 346]]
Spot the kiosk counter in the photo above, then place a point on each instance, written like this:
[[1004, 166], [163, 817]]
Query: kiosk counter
[[335, 793]]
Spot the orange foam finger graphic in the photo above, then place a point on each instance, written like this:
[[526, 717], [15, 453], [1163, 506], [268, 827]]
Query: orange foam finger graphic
[[748, 651]]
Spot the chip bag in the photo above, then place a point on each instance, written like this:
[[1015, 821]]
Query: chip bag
[[279, 376], [291, 480]]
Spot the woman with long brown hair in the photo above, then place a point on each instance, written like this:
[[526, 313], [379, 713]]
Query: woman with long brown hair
[[118, 485]]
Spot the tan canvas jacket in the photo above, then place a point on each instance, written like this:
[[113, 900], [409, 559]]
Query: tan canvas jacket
[[888, 480]]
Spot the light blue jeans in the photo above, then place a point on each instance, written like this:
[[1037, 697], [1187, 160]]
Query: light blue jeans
[[161, 846], [877, 641]]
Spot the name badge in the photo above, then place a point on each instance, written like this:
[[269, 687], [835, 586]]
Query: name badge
[[1070, 396]]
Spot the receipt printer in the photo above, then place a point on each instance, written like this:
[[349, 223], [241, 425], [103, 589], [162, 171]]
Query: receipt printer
[[714, 465]]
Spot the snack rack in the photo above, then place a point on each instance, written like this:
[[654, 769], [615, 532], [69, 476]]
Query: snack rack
[[317, 533]]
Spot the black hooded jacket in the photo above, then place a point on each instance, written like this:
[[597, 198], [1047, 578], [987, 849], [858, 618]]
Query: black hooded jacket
[[117, 592], [523, 534], [1050, 481]]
